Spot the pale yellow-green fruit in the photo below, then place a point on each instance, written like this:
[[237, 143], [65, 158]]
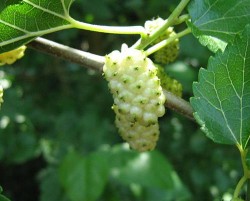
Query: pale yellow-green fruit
[[138, 96], [11, 56]]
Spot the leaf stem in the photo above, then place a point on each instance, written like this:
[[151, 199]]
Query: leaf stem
[[166, 42], [246, 172], [172, 19], [108, 29], [239, 187]]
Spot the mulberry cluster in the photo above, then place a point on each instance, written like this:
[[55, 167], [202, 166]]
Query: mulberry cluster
[[11, 56], [138, 96], [170, 52]]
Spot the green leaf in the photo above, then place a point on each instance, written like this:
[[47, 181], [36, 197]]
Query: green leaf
[[212, 43], [2, 198], [214, 21], [50, 188], [150, 171], [23, 20], [222, 95], [84, 178]]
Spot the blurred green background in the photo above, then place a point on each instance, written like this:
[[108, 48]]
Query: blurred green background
[[58, 141]]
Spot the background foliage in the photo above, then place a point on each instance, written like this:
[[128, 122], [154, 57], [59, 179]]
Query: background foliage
[[57, 136]]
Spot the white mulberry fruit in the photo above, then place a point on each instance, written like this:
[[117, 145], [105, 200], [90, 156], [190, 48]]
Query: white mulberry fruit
[[138, 96]]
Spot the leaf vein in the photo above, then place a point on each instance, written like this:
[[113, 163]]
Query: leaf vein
[[222, 111], [46, 10], [210, 6], [13, 26], [34, 34]]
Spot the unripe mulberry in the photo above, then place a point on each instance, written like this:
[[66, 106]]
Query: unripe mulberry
[[11, 56], [169, 83], [168, 53], [138, 96]]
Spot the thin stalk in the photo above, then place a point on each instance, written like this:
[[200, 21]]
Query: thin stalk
[[166, 42], [239, 187], [246, 172], [181, 19], [108, 29], [172, 19]]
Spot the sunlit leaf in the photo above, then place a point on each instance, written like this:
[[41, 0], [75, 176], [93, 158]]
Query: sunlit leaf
[[217, 20], [222, 95], [23, 20]]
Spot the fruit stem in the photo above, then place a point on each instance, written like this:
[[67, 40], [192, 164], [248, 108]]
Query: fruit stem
[[172, 19], [182, 18], [166, 42], [108, 29]]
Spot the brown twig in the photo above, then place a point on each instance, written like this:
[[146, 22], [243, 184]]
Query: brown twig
[[96, 62], [82, 58]]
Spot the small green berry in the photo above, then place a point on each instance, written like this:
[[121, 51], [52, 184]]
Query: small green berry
[[170, 52], [169, 83]]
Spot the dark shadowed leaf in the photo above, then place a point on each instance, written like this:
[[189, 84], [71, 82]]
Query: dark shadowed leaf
[[84, 178]]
